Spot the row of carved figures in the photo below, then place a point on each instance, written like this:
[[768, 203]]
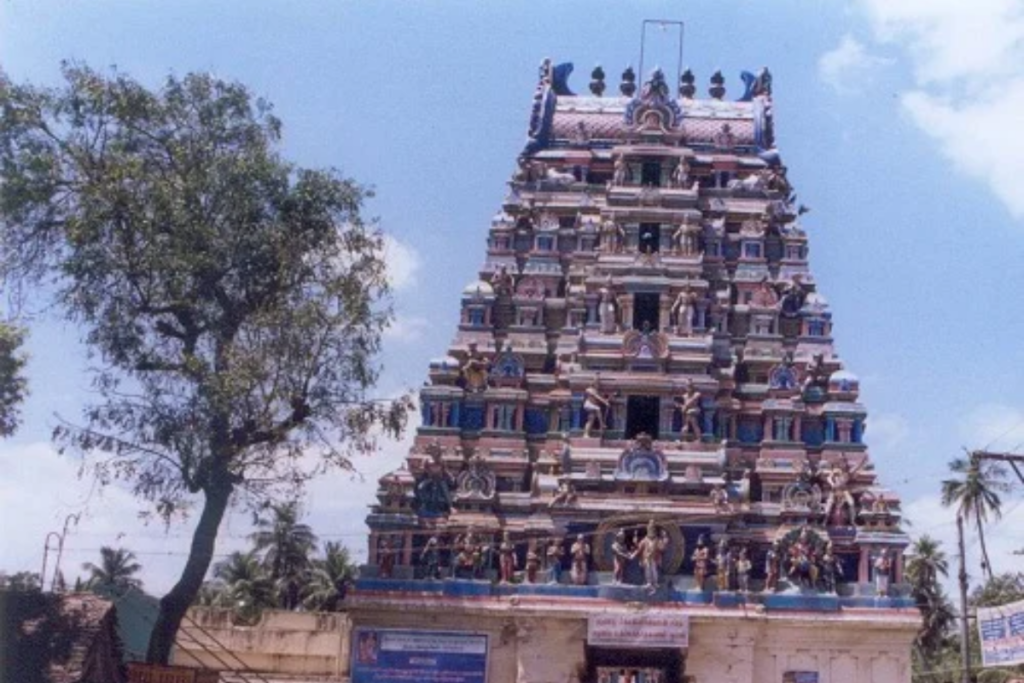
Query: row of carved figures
[[806, 562]]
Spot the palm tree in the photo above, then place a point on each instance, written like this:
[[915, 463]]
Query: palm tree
[[975, 493], [927, 562], [115, 572], [330, 579], [246, 585], [288, 546]]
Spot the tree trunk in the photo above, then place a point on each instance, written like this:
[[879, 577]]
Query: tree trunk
[[174, 605], [986, 565]]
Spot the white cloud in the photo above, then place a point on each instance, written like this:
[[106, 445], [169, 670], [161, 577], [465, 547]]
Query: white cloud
[[886, 433], [968, 64], [848, 65], [993, 427], [403, 263], [405, 329]]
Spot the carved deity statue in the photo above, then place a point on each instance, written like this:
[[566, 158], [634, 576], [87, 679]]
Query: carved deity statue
[[682, 309], [772, 562], [686, 237], [840, 495], [743, 567], [430, 558], [720, 498], [883, 567], [701, 558], [565, 457], [606, 310], [580, 555], [817, 374], [723, 565], [613, 236], [506, 558], [688, 406], [651, 551], [681, 173], [476, 369], [532, 563], [831, 569], [620, 172], [385, 558], [621, 556], [554, 561], [594, 407]]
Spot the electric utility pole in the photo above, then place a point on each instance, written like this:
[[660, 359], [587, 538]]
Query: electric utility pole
[[965, 652]]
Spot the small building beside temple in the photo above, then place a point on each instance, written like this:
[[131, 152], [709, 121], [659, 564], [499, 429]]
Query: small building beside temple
[[642, 459]]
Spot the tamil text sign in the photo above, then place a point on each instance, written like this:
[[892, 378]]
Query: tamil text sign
[[393, 656], [1001, 631], [638, 630]]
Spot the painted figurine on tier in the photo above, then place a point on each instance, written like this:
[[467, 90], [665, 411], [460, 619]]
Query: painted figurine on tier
[[554, 561], [743, 567], [506, 558], [686, 237], [883, 567], [621, 555], [802, 567], [723, 566], [651, 551], [688, 406], [606, 310], [682, 309], [840, 505], [533, 563], [594, 407], [385, 559], [613, 237], [831, 569], [772, 562], [430, 558], [580, 554], [681, 174], [475, 370], [701, 559]]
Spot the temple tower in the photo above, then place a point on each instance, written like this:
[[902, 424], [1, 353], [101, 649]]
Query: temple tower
[[642, 401]]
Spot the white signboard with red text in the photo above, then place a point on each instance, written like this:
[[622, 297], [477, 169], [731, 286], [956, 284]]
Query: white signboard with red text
[[647, 630]]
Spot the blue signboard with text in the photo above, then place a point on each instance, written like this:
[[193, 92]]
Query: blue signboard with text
[[1001, 632], [406, 656]]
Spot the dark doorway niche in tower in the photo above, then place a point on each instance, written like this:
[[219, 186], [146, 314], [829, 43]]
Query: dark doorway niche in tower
[[645, 310], [649, 238], [642, 416], [650, 174], [643, 666]]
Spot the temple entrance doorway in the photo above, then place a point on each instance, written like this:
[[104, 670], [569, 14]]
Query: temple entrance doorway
[[642, 416], [645, 310], [605, 665]]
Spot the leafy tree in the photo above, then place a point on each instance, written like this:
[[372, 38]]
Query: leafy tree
[[13, 386], [330, 579], [233, 303], [21, 581], [974, 492], [115, 572], [288, 547], [246, 585]]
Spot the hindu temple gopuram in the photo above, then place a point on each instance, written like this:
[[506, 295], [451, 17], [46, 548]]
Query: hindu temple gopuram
[[642, 459]]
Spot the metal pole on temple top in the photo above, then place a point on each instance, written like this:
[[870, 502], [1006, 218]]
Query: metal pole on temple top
[[663, 25]]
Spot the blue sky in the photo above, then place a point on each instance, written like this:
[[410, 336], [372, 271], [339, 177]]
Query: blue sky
[[898, 120]]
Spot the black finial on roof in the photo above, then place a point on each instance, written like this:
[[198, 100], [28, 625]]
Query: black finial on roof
[[717, 89], [686, 87], [597, 81], [628, 85]]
